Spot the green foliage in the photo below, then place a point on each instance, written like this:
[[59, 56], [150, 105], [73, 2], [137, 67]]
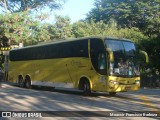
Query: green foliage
[[133, 34], [26, 5], [61, 29], [152, 46], [83, 29], [20, 27], [143, 14]]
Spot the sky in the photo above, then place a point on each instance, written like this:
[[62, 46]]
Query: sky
[[74, 9]]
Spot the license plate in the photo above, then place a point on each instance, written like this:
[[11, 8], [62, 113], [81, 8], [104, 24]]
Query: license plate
[[128, 88]]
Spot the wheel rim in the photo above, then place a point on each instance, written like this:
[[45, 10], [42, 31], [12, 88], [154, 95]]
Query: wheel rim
[[21, 82], [85, 88], [28, 84]]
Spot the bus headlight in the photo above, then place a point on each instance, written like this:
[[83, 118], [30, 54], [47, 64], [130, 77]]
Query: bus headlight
[[137, 81], [111, 68], [114, 82]]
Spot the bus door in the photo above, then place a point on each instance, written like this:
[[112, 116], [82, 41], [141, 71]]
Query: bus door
[[99, 64]]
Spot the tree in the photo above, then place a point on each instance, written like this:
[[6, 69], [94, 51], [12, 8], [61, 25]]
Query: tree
[[128, 13], [20, 27], [61, 29], [26, 5], [152, 47], [83, 29]]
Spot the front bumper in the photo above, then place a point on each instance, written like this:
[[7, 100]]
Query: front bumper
[[119, 84]]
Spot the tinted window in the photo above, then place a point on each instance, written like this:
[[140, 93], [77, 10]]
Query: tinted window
[[96, 51], [60, 50]]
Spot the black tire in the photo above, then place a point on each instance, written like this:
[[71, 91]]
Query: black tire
[[112, 93], [21, 82], [28, 84], [86, 88]]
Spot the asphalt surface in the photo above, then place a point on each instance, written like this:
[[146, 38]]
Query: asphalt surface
[[13, 98]]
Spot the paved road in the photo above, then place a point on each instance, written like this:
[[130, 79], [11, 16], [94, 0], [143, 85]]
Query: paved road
[[13, 98]]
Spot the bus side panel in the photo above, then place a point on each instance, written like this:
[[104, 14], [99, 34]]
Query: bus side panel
[[82, 67], [77, 68], [20, 68], [42, 72]]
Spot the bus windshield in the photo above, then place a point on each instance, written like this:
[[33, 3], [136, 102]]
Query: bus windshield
[[123, 48], [125, 62]]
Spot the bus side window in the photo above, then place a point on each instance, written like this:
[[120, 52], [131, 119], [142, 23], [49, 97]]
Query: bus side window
[[98, 56], [72, 49], [83, 48], [66, 50], [79, 48]]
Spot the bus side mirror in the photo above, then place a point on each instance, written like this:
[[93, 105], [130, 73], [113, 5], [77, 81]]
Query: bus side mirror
[[143, 53], [111, 56]]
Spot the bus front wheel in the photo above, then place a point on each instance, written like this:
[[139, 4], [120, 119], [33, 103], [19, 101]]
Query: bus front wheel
[[86, 88]]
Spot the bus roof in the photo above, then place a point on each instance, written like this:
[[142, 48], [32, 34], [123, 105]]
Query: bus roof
[[73, 39], [82, 38]]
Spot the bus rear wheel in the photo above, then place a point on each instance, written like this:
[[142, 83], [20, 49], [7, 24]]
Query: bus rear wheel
[[112, 93], [28, 83], [21, 82]]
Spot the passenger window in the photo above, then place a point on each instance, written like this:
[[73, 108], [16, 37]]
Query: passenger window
[[98, 56]]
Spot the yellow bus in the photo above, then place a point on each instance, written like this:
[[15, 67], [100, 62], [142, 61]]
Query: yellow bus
[[87, 64]]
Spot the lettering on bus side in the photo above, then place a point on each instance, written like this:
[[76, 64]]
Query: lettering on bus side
[[77, 64], [35, 65]]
